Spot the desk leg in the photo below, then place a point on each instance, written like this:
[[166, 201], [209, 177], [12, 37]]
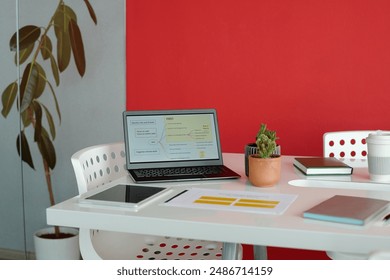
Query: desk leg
[[260, 252], [230, 251]]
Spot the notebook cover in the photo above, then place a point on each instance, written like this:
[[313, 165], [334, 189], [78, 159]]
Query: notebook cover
[[322, 166], [346, 209]]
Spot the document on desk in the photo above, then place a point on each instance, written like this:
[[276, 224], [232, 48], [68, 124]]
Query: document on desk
[[229, 200]]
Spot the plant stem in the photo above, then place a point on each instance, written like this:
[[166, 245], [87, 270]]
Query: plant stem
[[50, 190], [47, 176]]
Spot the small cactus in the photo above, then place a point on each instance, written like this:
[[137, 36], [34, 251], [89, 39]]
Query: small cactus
[[266, 142]]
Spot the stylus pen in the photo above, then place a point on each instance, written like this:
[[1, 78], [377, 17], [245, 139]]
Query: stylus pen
[[175, 196]]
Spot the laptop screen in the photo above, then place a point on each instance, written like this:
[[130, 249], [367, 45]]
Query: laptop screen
[[171, 138]]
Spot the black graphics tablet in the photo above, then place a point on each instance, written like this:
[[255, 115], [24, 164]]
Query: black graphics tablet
[[132, 196]]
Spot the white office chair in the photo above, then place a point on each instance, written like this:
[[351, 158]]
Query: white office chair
[[98, 165], [350, 147]]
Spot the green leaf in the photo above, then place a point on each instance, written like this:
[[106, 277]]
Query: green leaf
[[32, 85], [38, 121], [55, 101], [47, 52], [47, 150], [8, 98], [46, 47], [54, 69], [50, 121], [26, 118], [63, 51], [28, 35], [91, 11], [76, 42], [26, 154], [61, 18], [61, 23], [24, 54], [41, 81], [28, 85]]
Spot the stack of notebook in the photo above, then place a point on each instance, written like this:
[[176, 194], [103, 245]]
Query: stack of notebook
[[322, 166]]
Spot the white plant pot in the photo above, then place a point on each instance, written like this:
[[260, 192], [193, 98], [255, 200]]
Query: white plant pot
[[57, 249]]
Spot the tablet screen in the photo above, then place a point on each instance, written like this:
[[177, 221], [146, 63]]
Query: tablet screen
[[131, 195]]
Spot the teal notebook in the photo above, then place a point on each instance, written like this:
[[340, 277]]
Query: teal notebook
[[347, 209]]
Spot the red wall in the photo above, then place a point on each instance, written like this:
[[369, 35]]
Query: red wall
[[303, 67]]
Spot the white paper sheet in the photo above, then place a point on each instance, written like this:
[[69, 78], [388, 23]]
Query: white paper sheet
[[241, 201]]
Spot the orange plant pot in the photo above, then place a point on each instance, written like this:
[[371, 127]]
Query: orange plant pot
[[264, 172]]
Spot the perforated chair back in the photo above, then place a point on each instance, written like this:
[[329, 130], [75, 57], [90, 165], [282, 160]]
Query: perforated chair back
[[98, 165], [349, 146], [129, 246]]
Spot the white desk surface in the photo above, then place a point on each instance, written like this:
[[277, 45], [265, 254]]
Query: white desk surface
[[287, 230]]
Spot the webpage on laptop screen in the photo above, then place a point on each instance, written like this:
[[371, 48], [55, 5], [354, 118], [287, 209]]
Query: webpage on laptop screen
[[172, 137]]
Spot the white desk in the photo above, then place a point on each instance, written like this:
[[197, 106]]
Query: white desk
[[288, 230]]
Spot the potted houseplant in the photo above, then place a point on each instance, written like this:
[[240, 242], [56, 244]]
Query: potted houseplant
[[33, 47], [265, 165], [250, 149]]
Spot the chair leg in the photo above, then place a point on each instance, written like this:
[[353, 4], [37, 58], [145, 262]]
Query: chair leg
[[260, 252], [230, 251]]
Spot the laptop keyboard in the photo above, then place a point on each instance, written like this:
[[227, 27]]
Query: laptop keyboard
[[177, 171]]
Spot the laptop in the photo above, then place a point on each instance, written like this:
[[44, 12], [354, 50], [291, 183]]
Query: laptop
[[174, 145]]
